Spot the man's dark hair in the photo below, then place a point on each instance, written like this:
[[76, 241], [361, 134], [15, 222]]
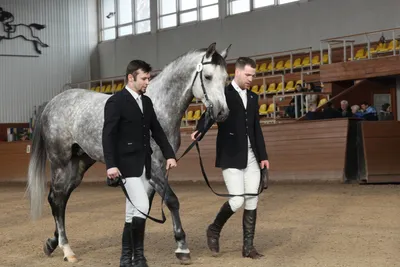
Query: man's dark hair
[[243, 61], [135, 65]]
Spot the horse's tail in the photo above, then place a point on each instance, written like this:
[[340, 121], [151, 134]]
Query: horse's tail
[[37, 26], [37, 170]]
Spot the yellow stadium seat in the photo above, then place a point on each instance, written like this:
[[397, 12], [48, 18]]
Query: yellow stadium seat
[[270, 66], [97, 89], [119, 87], [279, 65], [306, 61], [315, 60], [380, 47], [271, 108], [197, 114], [289, 86], [108, 89], [287, 64], [390, 46], [359, 54], [255, 89], [263, 109], [263, 67], [271, 88], [325, 59], [299, 82], [189, 116], [322, 102], [93, 88], [262, 89], [297, 63], [280, 86]]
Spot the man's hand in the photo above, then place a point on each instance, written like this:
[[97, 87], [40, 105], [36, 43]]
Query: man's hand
[[113, 173], [193, 135], [171, 163], [264, 163]]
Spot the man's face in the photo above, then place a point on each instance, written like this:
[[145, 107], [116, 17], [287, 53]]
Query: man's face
[[141, 82], [363, 106], [343, 106], [244, 77]]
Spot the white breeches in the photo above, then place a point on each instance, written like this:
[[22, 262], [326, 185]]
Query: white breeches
[[243, 181], [137, 188]]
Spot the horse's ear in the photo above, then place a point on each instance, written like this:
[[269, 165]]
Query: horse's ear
[[224, 53], [1, 9], [211, 50]]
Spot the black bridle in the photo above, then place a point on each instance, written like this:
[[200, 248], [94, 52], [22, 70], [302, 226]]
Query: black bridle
[[199, 71], [209, 105]]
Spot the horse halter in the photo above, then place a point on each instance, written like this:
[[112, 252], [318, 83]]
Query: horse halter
[[199, 71]]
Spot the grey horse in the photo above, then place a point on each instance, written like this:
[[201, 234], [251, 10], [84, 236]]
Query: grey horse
[[69, 129]]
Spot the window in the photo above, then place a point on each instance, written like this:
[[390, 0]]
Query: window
[[263, 3], [173, 13], [241, 6], [124, 17], [281, 2]]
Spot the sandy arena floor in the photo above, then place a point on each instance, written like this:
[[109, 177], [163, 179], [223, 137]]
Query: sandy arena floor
[[298, 225]]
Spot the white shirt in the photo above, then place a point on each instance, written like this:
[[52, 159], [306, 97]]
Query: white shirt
[[136, 96], [242, 93]]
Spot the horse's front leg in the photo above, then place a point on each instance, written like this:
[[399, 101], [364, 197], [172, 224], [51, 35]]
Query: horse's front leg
[[171, 200]]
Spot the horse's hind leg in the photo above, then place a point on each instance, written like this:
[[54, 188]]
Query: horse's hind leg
[[172, 202], [65, 179]]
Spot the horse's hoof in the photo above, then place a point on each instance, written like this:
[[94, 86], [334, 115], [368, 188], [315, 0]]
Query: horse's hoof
[[71, 258], [47, 249], [184, 258]]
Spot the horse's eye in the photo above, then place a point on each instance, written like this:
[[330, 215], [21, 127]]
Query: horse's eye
[[208, 77]]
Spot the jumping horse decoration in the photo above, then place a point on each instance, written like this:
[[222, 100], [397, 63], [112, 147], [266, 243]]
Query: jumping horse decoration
[[68, 134], [9, 31]]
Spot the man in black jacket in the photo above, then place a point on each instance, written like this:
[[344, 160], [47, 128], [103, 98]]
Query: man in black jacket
[[240, 153], [128, 118]]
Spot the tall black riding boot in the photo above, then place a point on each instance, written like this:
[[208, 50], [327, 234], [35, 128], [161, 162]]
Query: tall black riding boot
[[126, 253], [214, 229], [138, 228], [249, 226]]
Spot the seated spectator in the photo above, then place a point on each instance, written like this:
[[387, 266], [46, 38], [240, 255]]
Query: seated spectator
[[386, 113], [355, 110], [345, 110], [290, 110], [369, 112], [311, 99], [312, 114], [330, 112]]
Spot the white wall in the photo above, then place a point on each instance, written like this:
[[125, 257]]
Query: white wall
[[281, 28], [71, 33]]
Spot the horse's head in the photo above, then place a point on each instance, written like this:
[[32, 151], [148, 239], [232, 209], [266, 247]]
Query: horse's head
[[5, 16], [209, 83]]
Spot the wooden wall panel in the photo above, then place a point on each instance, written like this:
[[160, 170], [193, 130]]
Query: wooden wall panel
[[302, 151], [381, 147], [360, 69]]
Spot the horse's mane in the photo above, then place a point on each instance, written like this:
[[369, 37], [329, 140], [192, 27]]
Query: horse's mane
[[216, 59]]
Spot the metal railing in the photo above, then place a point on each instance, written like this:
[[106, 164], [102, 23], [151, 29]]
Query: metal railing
[[360, 39], [261, 58]]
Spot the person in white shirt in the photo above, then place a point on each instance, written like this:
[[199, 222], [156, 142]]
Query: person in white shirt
[[240, 154]]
